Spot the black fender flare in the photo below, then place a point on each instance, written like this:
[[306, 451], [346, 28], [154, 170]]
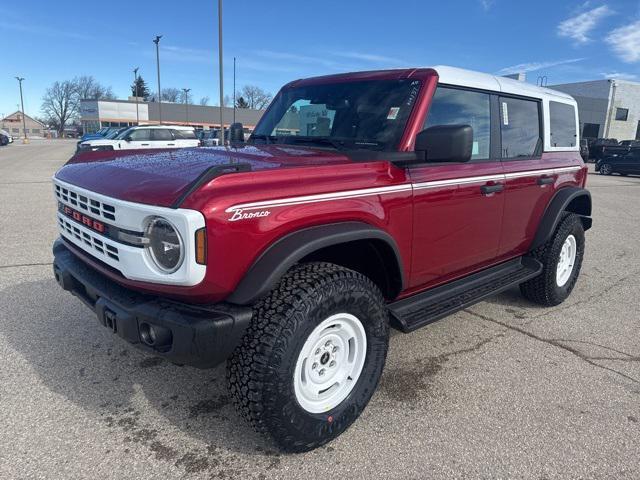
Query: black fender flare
[[280, 256], [559, 204]]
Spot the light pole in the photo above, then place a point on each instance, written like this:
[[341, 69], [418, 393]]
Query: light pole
[[135, 88], [157, 42], [222, 142], [24, 123], [186, 101], [234, 89]]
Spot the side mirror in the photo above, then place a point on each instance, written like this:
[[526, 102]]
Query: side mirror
[[445, 143], [236, 133]]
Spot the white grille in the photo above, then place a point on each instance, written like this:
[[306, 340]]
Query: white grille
[[85, 203], [71, 231]]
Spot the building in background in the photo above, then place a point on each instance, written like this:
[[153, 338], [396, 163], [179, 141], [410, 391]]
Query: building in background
[[606, 108], [95, 114], [13, 124]]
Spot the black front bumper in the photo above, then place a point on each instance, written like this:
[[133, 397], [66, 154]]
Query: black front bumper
[[196, 335]]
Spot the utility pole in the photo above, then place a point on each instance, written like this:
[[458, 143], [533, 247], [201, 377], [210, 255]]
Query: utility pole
[[186, 101], [234, 89], [24, 123], [135, 82], [222, 142], [157, 42]]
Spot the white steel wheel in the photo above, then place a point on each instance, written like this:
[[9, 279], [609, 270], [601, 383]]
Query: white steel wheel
[[566, 261], [330, 363]]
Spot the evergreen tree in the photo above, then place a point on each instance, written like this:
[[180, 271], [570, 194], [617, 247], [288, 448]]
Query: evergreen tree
[[143, 90]]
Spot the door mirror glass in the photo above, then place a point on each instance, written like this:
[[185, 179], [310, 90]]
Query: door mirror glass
[[445, 143]]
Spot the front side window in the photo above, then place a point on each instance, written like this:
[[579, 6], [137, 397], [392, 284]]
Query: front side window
[[451, 106], [358, 115], [622, 114], [140, 135], [563, 124], [520, 128]]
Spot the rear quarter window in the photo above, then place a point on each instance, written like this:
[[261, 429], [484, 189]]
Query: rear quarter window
[[185, 134], [562, 125]]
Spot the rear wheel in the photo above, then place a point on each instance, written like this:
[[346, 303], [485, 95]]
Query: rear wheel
[[561, 258], [606, 169], [312, 357]]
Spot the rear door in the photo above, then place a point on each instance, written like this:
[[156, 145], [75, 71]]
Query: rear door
[[457, 206], [163, 138], [530, 176]]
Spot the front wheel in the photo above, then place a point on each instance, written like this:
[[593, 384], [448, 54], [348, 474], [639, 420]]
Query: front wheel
[[606, 169], [312, 357], [561, 258]]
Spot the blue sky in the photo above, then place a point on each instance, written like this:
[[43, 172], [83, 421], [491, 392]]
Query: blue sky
[[279, 41]]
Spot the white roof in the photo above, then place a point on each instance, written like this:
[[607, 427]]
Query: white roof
[[172, 127], [485, 81]]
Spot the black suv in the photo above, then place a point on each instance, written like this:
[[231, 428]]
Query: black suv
[[628, 163]]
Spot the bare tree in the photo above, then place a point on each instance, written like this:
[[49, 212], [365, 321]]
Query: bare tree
[[88, 88], [59, 104], [204, 101], [255, 97], [186, 97], [171, 94]]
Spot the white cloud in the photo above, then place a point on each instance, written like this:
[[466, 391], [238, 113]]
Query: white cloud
[[625, 42], [369, 57], [487, 4], [535, 66], [620, 76], [42, 30], [579, 27]]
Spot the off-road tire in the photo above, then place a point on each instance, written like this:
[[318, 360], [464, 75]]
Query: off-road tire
[[260, 373], [544, 289]]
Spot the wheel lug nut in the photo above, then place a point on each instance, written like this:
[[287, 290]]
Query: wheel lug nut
[[318, 351], [328, 344], [332, 364], [321, 372], [335, 349], [314, 366]]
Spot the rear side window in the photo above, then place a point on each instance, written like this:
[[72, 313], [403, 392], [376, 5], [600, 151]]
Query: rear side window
[[563, 125], [520, 128], [185, 134], [162, 134], [140, 135], [451, 106]]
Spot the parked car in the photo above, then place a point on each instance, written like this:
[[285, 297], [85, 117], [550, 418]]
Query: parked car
[[584, 149], [102, 133], [630, 143], [4, 140], [145, 137], [110, 135], [209, 138], [624, 164], [605, 146], [7, 134], [360, 199]]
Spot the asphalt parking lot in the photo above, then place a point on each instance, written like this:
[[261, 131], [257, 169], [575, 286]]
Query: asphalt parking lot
[[504, 389]]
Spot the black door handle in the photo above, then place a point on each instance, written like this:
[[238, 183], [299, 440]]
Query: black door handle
[[546, 180], [491, 188], [144, 144]]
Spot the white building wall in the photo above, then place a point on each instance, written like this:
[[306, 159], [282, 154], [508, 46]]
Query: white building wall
[[625, 95]]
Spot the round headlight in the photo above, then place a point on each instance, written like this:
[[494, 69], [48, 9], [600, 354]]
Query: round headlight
[[165, 245]]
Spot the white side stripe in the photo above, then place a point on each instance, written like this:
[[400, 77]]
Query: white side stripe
[[364, 192]]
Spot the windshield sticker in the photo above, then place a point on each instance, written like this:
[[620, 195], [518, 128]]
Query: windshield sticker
[[413, 94], [505, 114], [393, 113]]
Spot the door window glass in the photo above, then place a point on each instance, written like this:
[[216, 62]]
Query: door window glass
[[520, 128], [451, 106], [162, 134], [563, 124], [140, 135]]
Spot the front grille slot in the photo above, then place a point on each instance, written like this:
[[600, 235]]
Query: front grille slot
[[85, 203], [71, 232]]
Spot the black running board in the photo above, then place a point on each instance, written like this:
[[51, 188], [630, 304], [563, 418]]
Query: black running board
[[423, 308]]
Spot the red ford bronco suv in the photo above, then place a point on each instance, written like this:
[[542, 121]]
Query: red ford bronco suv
[[360, 201]]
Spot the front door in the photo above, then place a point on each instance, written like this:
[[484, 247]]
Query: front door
[[139, 138], [457, 206]]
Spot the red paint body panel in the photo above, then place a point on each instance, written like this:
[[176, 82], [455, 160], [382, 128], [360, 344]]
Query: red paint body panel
[[442, 233]]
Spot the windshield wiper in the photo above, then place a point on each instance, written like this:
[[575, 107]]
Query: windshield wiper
[[261, 136], [337, 144]]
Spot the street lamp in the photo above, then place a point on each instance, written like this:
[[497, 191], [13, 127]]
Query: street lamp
[[222, 142], [186, 101], [157, 42], [24, 123], [135, 83]]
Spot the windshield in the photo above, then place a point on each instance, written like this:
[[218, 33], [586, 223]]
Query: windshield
[[112, 135], [366, 114], [122, 134]]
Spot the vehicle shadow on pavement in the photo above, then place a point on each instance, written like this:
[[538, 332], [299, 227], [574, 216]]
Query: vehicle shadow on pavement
[[127, 390]]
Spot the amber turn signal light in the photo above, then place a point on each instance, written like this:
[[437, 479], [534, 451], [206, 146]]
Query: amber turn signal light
[[201, 246]]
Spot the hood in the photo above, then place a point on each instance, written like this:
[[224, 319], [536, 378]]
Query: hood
[[161, 177], [99, 141]]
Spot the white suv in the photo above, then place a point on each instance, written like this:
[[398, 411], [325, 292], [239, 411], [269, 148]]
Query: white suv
[[146, 136]]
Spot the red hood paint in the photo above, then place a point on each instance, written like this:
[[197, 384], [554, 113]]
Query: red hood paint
[[160, 177]]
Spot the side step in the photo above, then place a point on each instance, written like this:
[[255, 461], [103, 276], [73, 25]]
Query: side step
[[426, 307]]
